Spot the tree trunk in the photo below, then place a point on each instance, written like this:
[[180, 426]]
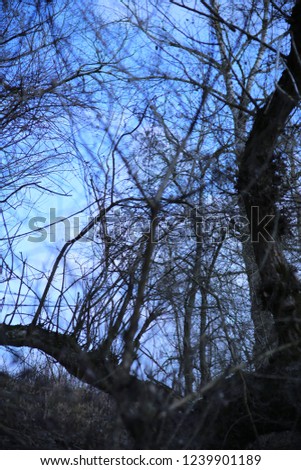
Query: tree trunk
[[258, 189], [265, 338]]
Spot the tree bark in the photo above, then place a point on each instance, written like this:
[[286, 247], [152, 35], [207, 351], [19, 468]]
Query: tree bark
[[258, 189], [265, 337]]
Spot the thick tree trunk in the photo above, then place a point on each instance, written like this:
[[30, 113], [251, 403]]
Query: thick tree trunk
[[257, 185], [265, 338]]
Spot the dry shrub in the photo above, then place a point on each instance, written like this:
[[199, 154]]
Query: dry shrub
[[40, 411]]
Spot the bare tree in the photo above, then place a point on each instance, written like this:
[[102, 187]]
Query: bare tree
[[166, 299]]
